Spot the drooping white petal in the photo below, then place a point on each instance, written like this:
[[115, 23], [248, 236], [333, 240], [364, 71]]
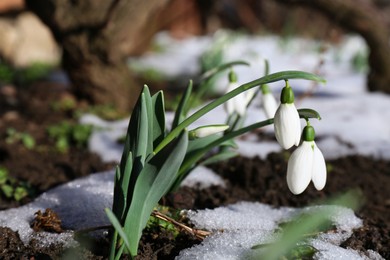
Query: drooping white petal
[[299, 168], [298, 130], [319, 169], [269, 105], [236, 104], [287, 125]]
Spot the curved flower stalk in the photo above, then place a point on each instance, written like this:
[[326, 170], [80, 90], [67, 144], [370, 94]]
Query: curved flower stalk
[[268, 102], [287, 124], [306, 164]]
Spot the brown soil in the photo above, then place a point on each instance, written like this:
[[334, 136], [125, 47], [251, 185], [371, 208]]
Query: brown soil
[[31, 110]]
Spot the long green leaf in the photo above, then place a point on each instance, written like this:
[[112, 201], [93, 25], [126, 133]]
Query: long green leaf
[[136, 144], [137, 135], [153, 182], [158, 118], [124, 184], [210, 73], [115, 223], [150, 120], [182, 108]]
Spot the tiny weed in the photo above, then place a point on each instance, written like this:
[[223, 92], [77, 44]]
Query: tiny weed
[[13, 136], [11, 188], [66, 134]]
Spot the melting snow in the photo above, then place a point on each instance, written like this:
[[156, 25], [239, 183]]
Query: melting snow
[[247, 224]]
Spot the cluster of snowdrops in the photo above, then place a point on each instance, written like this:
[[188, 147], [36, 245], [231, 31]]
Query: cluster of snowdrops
[[155, 160]]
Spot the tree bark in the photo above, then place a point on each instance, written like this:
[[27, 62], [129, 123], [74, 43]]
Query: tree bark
[[364, 18], [97, 36]]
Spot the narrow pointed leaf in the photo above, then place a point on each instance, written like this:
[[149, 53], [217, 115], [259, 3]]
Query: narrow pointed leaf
[[181, 111], [115, 223], [153, 182], [137, 135], [119, 194], [150, 120], [158, 118]]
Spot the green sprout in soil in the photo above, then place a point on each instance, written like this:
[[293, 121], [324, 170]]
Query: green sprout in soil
[[155, 160], [66, 134], [14, 136], [33, 72], [11, 188]]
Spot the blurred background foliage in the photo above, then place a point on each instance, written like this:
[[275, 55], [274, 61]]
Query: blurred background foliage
[[92, 39]]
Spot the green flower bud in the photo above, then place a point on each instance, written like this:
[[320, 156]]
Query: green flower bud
[[308, 133], [287, 96], [232, 76]]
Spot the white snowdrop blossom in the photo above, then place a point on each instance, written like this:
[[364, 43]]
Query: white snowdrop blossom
[[306, 164], [238, 103], [269, 105], [204, 131], [287, 124]]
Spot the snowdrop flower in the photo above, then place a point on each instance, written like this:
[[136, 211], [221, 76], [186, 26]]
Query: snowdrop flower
[[238, 103], [306, 164], [269, 103], [204, 131], [287, 124]]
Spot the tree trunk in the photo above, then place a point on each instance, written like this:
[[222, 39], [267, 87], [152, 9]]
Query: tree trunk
[[362, 17], [97, 36]]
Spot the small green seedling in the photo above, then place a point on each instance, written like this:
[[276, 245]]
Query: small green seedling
[[13, 136], [66, 134], [11, 188]]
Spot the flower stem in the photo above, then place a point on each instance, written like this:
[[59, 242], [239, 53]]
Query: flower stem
[[284, 75], [195, 157]]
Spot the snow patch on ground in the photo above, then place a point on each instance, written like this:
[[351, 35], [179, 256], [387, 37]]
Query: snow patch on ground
[[239, 227]]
